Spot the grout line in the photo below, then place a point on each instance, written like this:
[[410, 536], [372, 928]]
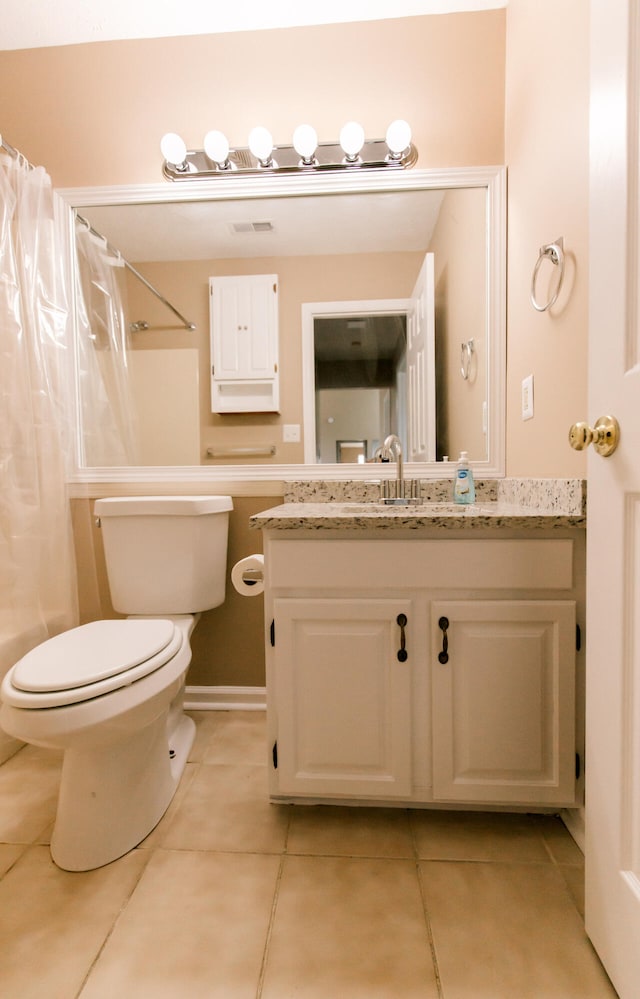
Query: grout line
[[145, 853], [425, 910], [272, 916]]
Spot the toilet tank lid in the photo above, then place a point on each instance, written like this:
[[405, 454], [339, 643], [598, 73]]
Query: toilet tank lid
[[174, 506]]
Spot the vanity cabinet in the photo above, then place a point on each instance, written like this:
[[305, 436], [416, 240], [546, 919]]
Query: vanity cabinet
[[422, 671], [244, 343]]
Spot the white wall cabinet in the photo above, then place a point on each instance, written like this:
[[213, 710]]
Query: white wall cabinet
[[244, 343], [478, 708]]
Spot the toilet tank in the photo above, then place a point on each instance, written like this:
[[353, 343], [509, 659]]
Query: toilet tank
[[165, 554]]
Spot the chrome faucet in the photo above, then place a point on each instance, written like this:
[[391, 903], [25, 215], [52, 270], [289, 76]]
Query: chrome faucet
[[392, 449]]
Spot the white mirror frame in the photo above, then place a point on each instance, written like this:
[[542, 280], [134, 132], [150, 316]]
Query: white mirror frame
[[492, 178]]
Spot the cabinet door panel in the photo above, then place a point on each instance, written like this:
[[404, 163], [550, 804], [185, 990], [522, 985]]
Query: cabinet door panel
[[503, 704], [244, 326], [343, 697]]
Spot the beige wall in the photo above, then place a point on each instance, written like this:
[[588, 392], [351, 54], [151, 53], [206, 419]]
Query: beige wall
[[94, 114], [547, 105]]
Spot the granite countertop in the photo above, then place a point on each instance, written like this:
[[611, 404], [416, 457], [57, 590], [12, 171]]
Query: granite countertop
[[502, 503], [375, 516]]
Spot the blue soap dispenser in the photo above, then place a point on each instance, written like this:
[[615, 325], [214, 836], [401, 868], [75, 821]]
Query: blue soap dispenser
[[464, 490]]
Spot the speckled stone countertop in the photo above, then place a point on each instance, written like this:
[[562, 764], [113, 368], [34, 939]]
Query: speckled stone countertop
[[508, 503]]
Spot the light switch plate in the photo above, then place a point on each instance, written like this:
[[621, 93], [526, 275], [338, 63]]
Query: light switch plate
[[291, 433], [527, 398]]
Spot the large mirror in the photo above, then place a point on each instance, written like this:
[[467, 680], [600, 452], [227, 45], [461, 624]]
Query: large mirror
[[349, 253]]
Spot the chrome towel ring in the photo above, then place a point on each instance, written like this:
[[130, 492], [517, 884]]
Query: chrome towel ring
[[466, 353], [555, 253]]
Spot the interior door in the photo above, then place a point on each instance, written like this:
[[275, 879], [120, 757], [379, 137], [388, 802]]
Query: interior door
[[421, 366], [613, 532]]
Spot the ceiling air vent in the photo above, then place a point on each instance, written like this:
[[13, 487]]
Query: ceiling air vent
[[252, 226]]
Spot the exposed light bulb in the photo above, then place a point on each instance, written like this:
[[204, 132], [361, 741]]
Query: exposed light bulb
[[305, 143], [261, 145], [173, 149], [398, 138], [352, 140], [216, 146]]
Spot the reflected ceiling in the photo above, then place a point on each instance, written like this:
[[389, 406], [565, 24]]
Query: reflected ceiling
[[269, 227]]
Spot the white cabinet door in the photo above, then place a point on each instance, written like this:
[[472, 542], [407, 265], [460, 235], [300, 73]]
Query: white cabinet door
[[343, 696], [503, 701], [244, 343]]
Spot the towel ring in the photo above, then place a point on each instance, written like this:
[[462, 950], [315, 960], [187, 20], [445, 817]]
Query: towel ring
[[555, 253], [466, 353]]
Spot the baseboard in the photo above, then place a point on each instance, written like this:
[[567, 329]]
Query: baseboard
[[573, 819], [225, 699]]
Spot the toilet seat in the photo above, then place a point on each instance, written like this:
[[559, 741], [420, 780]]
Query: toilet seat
[[89, 661]]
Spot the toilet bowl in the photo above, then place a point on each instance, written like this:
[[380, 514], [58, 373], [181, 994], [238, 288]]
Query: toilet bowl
[[110, 693]]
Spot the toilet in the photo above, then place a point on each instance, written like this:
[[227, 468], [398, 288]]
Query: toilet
[[110, 693]]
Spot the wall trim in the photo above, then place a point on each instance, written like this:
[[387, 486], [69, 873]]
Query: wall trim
[[225, 699]]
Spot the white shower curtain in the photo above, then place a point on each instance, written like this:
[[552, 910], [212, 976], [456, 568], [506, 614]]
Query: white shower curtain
[[107, 411], [38, 595]]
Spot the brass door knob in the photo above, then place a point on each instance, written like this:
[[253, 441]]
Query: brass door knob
[[604, 436]]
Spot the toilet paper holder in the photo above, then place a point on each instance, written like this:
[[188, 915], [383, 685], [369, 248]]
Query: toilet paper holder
[[247, 575]]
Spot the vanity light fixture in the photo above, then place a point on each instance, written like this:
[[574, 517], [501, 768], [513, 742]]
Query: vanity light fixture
[[305, 155]]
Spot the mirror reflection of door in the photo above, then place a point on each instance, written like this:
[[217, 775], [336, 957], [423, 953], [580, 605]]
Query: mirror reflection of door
[[375, 373], [360, 365], [351, 452]]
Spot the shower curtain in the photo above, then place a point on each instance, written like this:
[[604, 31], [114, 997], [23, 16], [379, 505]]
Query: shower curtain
[[38, 595], [107, 413]]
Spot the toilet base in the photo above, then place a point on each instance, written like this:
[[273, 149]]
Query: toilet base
[[111, 797]]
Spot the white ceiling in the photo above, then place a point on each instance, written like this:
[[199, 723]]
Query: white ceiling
[[37, 23]]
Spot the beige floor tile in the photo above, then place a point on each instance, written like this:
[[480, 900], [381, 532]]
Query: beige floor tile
[[574, 880], [349, 928], [206, 722], [227, 808], [238, 737], [325, 830], [29, 784], [509, 930], [560, 843], [195, 927], [53, 923], [8, 856], [477, 836], [157, 835]]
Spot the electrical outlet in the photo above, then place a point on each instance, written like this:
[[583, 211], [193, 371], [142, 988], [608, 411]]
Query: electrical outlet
[[527, 398], [291, 433]]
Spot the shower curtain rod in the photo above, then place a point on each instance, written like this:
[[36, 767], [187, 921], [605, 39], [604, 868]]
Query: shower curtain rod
[[141, 324], [14, 153]]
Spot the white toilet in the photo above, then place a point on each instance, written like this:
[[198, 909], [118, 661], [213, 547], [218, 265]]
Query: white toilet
[[110, 693]]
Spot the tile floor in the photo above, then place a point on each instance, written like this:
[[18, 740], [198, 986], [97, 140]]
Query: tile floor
[[231, 897]]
